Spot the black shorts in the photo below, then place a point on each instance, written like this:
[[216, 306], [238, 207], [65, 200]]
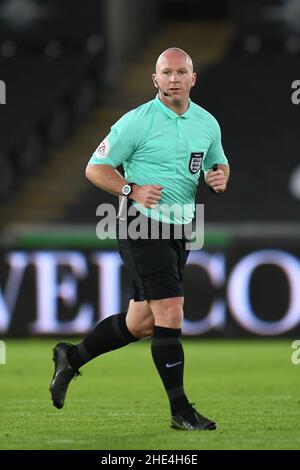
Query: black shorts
[[155, 266]]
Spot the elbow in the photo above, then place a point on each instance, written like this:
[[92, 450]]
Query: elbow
[[88, 172]]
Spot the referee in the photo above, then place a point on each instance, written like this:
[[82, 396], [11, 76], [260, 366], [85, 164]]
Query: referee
[[163, 145]]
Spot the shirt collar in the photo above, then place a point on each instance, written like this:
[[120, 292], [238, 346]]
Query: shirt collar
[[169, 112]]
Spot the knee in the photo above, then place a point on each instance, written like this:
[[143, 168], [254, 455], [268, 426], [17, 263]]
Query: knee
[[169, 313], [143, 329], [173, 317]]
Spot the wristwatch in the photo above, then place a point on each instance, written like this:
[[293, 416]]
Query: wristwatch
[[126, 189]]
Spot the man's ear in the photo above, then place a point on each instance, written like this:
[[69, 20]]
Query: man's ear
[[194, 79], [154, 80]]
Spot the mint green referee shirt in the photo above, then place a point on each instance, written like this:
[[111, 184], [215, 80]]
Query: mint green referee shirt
[[156, 146]]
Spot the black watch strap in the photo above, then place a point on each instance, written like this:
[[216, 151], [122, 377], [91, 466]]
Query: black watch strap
[[131, 185]]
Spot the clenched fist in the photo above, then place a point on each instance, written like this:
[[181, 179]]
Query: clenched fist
[[147, 195], [217, 180]]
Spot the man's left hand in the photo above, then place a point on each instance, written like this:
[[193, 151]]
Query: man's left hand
[[217, 180]]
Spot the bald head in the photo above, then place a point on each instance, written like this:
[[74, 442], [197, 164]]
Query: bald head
[[173, 53]]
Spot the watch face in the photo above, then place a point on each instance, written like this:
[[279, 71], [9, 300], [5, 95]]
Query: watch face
[[126, 190]]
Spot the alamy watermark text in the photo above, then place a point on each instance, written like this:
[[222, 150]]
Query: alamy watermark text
[[2, 92]]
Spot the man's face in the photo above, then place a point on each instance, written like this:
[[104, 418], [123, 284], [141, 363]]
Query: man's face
[[175, 76]]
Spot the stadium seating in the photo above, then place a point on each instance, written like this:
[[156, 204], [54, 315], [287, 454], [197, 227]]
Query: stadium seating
[[50, 66]]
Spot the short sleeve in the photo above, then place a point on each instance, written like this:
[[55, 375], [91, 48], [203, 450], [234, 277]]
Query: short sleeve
[[118, 145], [215, 153]]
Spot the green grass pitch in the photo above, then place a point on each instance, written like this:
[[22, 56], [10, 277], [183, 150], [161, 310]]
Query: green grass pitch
[[250, 387]]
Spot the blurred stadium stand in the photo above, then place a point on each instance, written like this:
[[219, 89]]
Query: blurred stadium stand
[[251, 98], [49, 59], [54, 61], [250, 94]]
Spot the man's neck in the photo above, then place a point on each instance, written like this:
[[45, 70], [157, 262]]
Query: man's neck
[[179, 108]]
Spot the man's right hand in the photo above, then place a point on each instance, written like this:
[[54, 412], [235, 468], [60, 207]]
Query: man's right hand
[[147, 195]]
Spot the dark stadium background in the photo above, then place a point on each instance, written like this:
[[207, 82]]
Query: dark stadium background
[[70, 70]]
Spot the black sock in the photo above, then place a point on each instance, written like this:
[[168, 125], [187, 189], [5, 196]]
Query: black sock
[[112, 333], [168, 356]]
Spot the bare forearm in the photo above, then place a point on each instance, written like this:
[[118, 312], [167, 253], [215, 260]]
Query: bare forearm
[[106, 178], [110, 180]]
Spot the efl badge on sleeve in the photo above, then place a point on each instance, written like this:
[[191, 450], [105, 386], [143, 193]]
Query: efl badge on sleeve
[[195, 161], [103, 149]]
